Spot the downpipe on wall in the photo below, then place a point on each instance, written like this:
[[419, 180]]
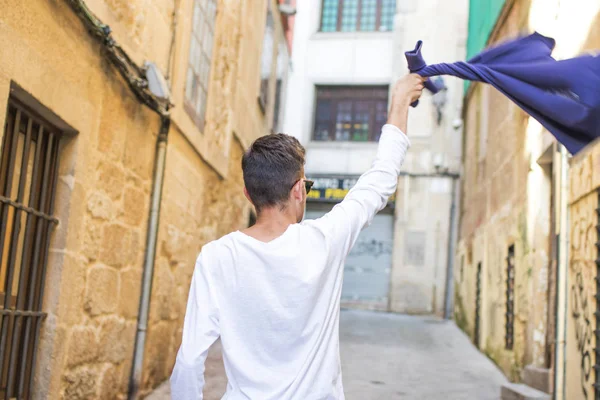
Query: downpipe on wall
[[452, 228], [149, 258], [562, 276]]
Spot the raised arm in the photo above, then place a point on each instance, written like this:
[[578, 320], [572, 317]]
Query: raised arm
[[200, 330], [370, 194]]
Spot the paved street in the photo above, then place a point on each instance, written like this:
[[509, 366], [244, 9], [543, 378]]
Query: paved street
[[388, 356]]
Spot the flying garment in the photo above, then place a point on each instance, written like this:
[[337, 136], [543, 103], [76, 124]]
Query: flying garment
[[564, 96]]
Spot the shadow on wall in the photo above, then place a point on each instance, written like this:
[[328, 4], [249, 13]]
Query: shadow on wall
[[593, 39]]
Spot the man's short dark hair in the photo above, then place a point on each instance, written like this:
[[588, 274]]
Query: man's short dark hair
[[271, 166]]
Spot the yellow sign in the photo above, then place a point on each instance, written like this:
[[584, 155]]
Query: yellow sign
[[333, 189]]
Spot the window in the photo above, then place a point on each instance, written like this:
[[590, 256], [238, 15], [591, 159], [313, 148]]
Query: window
[[282, 68], [198, 73], [350, 113], [266, 63], [29, 167], [510, 298], [357, 15]]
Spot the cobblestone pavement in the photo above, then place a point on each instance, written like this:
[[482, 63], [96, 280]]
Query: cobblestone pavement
[[389, 356]]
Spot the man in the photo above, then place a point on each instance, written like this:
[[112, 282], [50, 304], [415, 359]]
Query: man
[[272, 292]]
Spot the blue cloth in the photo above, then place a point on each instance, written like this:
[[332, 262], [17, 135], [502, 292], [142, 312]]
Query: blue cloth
[[564, 96]]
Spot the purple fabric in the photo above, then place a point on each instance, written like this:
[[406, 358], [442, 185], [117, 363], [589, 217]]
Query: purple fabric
[[564, 96]]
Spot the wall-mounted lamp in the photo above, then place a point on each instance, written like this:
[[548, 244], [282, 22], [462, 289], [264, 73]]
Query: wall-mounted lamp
[[440, 98]]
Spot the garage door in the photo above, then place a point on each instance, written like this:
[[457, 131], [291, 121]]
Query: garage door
[[367, 270]]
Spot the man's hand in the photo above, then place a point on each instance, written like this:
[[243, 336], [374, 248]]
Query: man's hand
[[406, 91]]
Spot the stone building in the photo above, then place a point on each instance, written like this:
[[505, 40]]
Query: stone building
[[524, 277], [78, 162]]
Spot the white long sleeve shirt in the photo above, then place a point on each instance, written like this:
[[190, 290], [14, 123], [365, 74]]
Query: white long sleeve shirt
[[276, 305]]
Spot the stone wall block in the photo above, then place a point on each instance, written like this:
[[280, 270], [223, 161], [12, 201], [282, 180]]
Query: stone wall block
[[116, 340], [101, 292], [83, 346], [111, 179], [108, 383], [100, 205], [92, 238], [81, 383], [134, 206], [116, 245], [163, 288], [155, 360], [129, 296]]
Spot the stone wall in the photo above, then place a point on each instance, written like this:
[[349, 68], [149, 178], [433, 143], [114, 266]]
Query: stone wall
[[584, 252], [505, 201], [97, 250], [508, 197]]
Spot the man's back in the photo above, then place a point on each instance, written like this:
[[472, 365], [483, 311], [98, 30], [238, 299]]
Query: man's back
[[279, 313]]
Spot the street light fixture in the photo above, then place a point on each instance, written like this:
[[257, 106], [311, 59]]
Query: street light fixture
[[440, 98]]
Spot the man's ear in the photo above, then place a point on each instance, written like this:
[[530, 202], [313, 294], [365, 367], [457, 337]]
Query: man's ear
[[297, 191], [247, 195]]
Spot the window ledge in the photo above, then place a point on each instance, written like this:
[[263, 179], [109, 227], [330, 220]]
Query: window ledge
[[315, 144], [378, 35]]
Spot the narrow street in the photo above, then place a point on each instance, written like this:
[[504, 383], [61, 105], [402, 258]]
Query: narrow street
[[389, 356]]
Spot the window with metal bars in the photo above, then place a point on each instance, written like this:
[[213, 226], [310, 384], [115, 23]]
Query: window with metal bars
[[510, 298], [29, 167], [357, 15], [477, 328], [350, 113]]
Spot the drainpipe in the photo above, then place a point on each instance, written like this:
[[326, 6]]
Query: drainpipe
[[448, 303], [150, 254], [562, 277]]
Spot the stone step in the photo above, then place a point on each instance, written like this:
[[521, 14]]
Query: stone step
[[519, 391], [538, 378]]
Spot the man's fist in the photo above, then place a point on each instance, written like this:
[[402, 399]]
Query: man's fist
[[408, 89]]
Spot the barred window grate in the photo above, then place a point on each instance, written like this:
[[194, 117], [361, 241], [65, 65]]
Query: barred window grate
[[388, 10], [29, 165], [349, 15], [510, 299], [477, 328], [329, 16], [358, 15]]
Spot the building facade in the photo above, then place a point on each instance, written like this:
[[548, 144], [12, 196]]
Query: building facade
[[527, 257], [347, 55], [78, 177]]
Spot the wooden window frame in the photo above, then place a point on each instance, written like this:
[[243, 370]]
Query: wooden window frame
[[28, 200], [340, 96]]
